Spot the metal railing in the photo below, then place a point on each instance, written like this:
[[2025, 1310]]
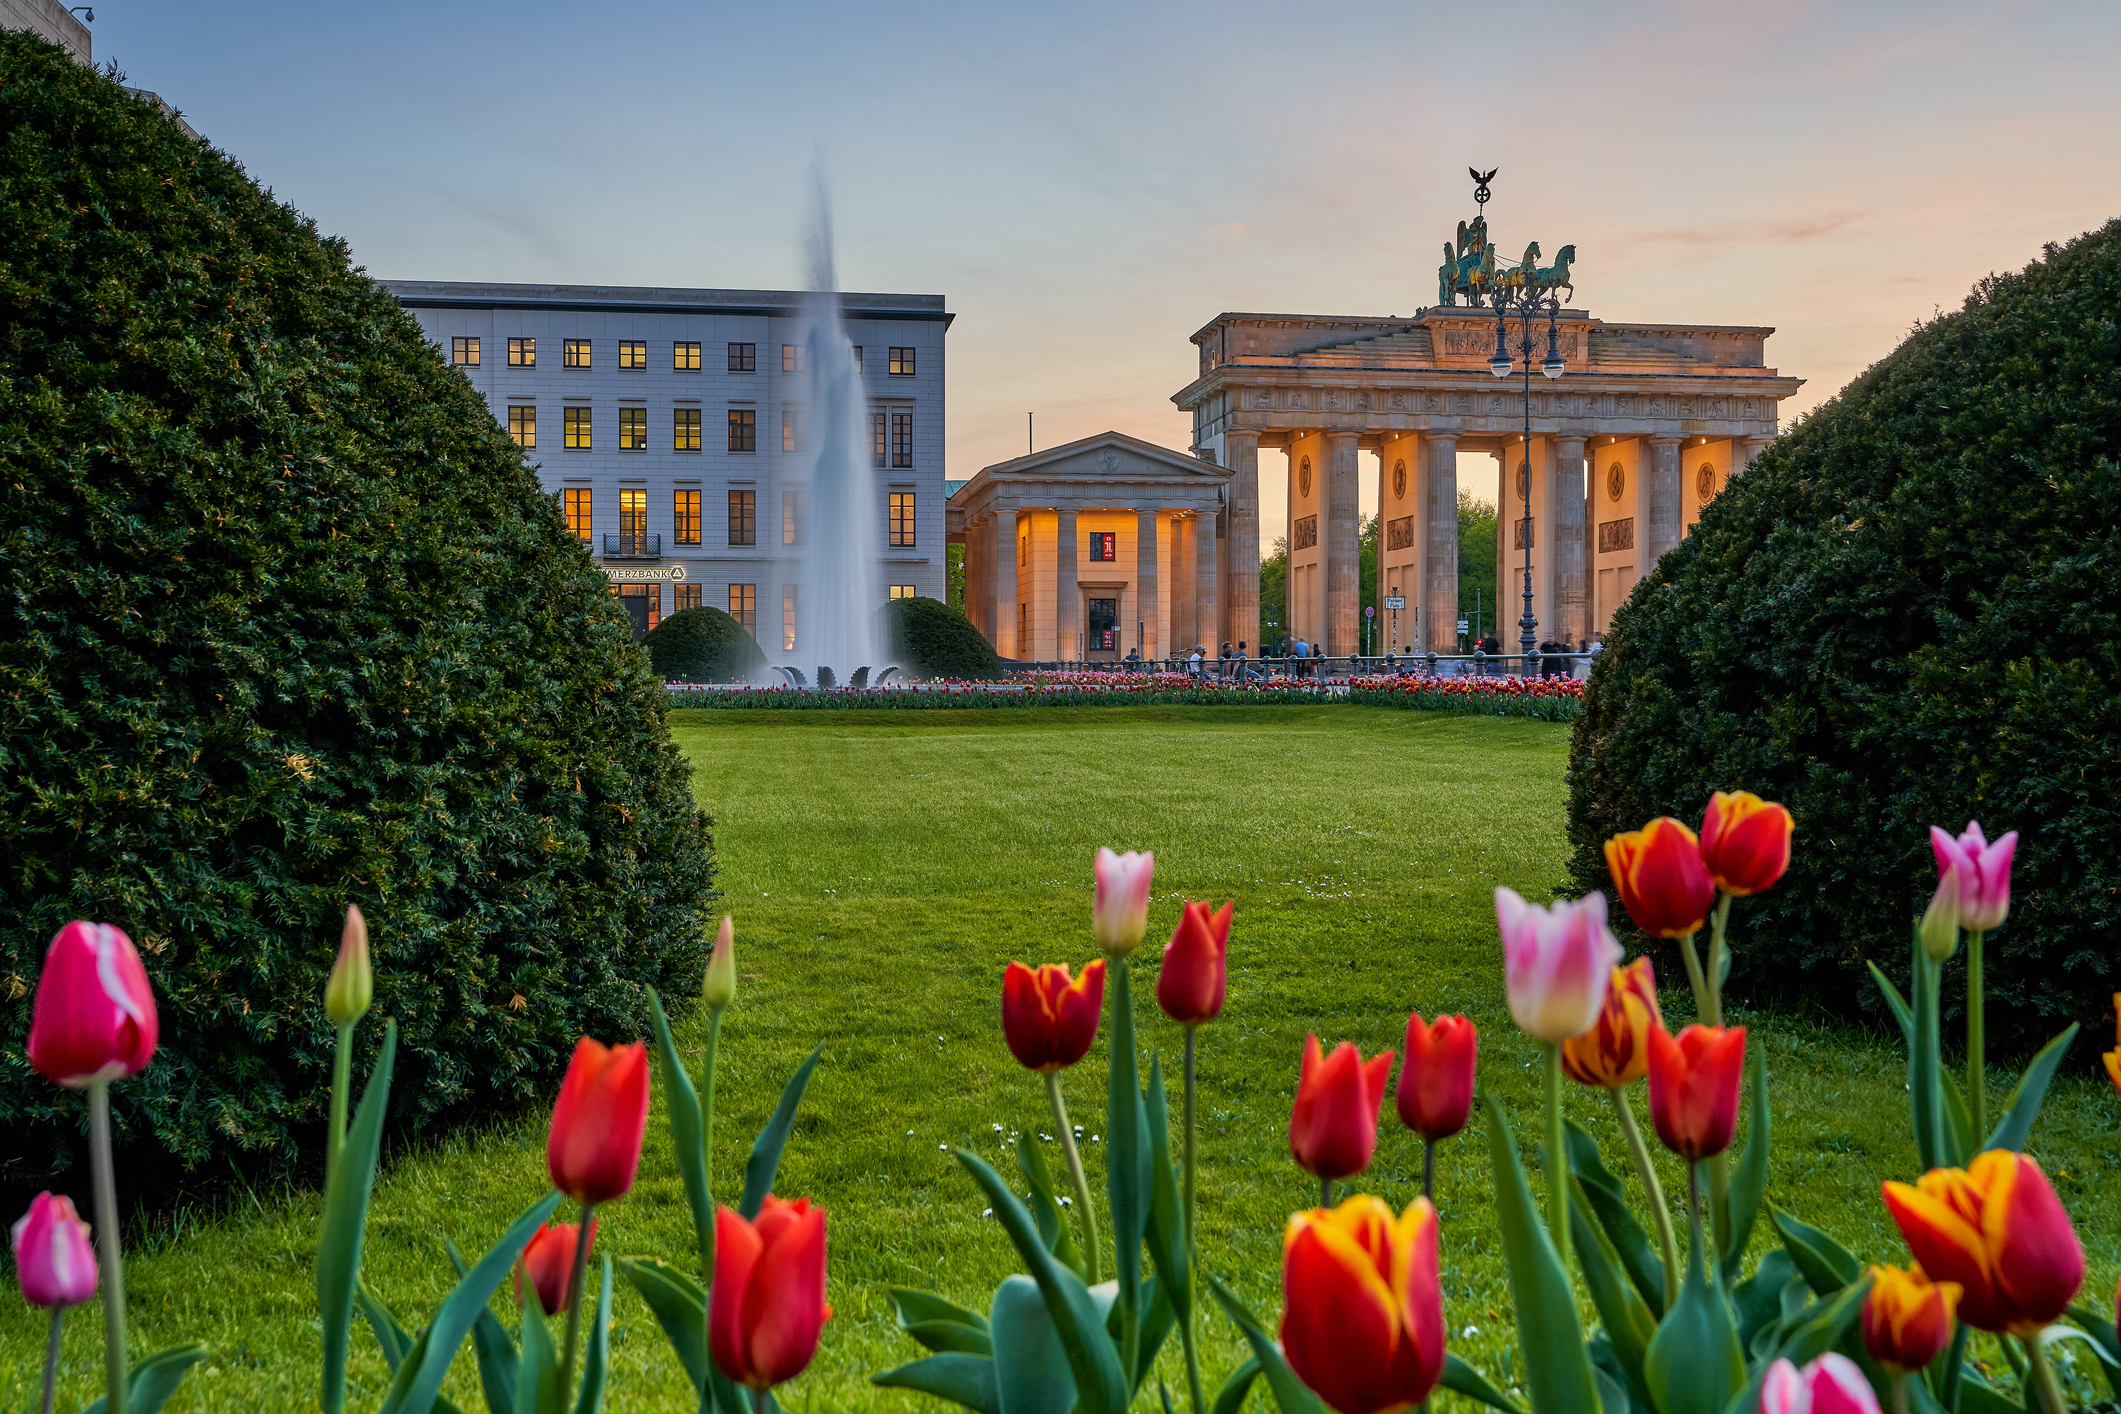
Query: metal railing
[[1293, 670], [633, 545]]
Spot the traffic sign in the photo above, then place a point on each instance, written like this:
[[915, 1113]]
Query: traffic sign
[[1465, 625], [1369, 611], [1396, 601]]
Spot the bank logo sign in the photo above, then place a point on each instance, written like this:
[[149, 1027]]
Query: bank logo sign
[[630, 574]]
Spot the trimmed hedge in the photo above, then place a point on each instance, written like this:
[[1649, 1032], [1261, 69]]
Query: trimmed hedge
[[286, 622], [1908, 612], [934, 640], [703, 644]]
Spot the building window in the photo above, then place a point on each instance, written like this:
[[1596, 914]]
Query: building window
[[743, 430], [633, 429], [744, 606], [522, 353], [574, 422], [857, 358], [791, 358], [901, 439], [790, 595], [1104, 545], [683, 597], [685, 429], [464, 352], [743, 518], [575, 501], [795, 509], [653, 593], [684, 356], [787, 430], [633, 354], [901, 363], [876, 438], [523, 424], [743, 358], [685, 517], [574, 353], [901, 520], [633, 515], [902, 591]]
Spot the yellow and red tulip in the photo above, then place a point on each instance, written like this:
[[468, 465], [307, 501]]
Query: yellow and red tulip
[[1557, 961], [768, 1304], [1997, 1229], [594, 1147], [549, 1263], [1195, 970], [53, 1259], [1333, 1125], [1663, 883], [94, 1017], [1616, 1050], [1362, 1311], [1907, 1318], [1436, 1076], [1745, 842], [1694, 1083], [1048, 1020], [2113, 1057]]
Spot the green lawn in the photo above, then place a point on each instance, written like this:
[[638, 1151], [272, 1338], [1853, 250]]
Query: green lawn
[[884, 868]]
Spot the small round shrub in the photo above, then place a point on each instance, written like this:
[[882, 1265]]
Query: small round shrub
[[1908, 612], [286, 622], [703, 645], [934, 640]]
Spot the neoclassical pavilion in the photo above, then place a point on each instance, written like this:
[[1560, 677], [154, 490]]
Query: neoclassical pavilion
[[1088, 550]]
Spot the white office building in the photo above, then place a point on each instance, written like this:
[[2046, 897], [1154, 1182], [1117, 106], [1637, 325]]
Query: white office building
[[671, 426]]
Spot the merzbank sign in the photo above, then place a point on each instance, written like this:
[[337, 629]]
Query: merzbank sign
[[632, 575]]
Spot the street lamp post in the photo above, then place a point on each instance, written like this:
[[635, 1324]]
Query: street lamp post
[[1525, 303]]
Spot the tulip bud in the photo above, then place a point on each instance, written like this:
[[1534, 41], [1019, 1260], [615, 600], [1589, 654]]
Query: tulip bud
[[1663, 883], [1557, 963], [719, 989], [549, 1261], [1120, 914], [53, 1259], [594, 1147], [1333, 1124], [768, 1304], [1436, 1078], [352, 985], [94, 1018], [1940, 921], [1694, 1085], [1195, 973]]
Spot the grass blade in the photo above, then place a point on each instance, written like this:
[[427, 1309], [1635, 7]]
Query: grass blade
[[345, 1225], [766, 1149]]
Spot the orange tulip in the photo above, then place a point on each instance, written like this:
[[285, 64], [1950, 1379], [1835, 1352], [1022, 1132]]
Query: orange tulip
[[597, 1123], [549, 1260], [1436, 1078], [1662, 882], [1196, 965], [1333, 1125], [2113, 1057], [768, 1303], [1694, 1084], [1907, 1318], [1362, 1312], [1616, 1051], [1048, 1020], [1997, 1229], [1745, 842]]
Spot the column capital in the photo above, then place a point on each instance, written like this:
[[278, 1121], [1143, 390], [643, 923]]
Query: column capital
[[1661, 441]]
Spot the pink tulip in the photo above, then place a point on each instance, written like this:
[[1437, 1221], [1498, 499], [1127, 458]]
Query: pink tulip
[[1121, 913], [1557, 963], [1984, 874], [1832, 1384], [94, 1017], [52, 1256]]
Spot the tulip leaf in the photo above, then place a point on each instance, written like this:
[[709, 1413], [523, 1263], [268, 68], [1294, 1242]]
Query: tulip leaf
[[1091, 1358], [1230, 1399], [938, 1324], [680, 1306], [1758, 1299], [1167, 1214], [765, 1159], [154, 1378], [1053, 1225], [597, 1359], [1612, 1394], [1628, 1322], [1694, 1364], [1825, 1264], [1156, 1322], [1606, 1361], [962, 1379], [394, 1338], [1603, 1192], [1291, 1395], [1031, 1374], [1978, 1398], [2025, 1101], [345, 1225], [538, 1377], [1557, 1368], [1955, 1124], [492, 1344], [1923, 1065], [1814, 1336], [1749, 1180], [1461, 1378], [1896, 1003], [688, 1129], [2102, 1331], [1126, 1148], [950, 1336]]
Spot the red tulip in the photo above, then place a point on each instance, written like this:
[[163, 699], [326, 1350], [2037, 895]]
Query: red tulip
[[768, 1303], [53, 1259], [597, 1123], [1333, 1126], [1195, 971], [550, 1261], [1996, 1228], [1907, 1318], [1049, 1021], [1745, 842], [1362, 1311], [94, 1017], [1694, 1084], [1436, 1078], [1663, 884]]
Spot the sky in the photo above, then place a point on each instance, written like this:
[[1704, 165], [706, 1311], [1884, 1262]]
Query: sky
[[1089, 184]]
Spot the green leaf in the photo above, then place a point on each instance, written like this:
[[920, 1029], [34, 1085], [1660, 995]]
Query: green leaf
[[597, 1359], [1896, 1003], [1031, 1373], [154, 1378], [1758, 1299], [1749, 1179], [1156, 1322], [765, 1159], [961, 1379], [394, 1338], [1126, 1145], [494, 1347], [938, 1324], [1814, 1335], [680, 1306], [1922, 1063], [538, 1376], [687, 1127], [1230, 1399], [1053, 1225], [2025, 1101], [1557, 1369], [2102, 1331], [1694, 1364], [1825, 1264], [1461, 1378], [1603, 1192], [1612, 1394], [1978, 1398], [1628, 1322], [1167, 1214], [1291, 1395], [1956, 1124], [346, 1195], [942, 1336]]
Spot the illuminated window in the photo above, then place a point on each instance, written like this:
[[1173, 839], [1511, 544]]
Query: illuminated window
[[522, 353], [1104, 545], [744, 606], [633, 429], [901, 363], [743, 518], [857, 358], [464, 352], [633, 514], [901, 520], [789, 595], [791, 358], [574, 353], [523, 424], [902, 439], [787, 430], [575, 501], [633, 354], [685, 357], [684, 596], [685, 517], [902, 591], [743, 430], [795, 509], [877, 438], [574, 422], [685, 429], [743, 358]]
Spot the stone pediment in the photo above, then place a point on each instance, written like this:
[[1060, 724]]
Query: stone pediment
[[1110, 471], [1106, 456]]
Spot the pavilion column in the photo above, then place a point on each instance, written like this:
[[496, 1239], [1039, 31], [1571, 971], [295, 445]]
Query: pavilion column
[[1185, 541], [1743, 450], [981, 590], [1147, 638], [1241, 455], [1067, 600], [1566, 536], [1339, 538], [1666, 521], [1005, 585], [1439, 590], [1206, 600]]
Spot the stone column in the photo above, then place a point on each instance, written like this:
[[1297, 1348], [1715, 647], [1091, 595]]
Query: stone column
[[981, 590], [1566, 536], [1207, 602], [1241, 455], [1665, 506], [1005, 585], [1439, 590], [1067, 600], [1184, 544], [1145, 584], [1743, 450], [1339, 533]]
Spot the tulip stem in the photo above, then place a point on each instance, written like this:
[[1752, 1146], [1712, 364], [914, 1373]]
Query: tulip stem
[[51, 1359], [575, 1283], [1704, 1004], [704, 1222], [1557, 1163], [1084, 1212], [1718, 921], [1667, 1240], [2043, 1374], [1693, 1197], [1192, 1168], [106, 1183], [1976, 1070], [1428, 1169], [762, 1402], [341, 1081], [1900, 1394], [1325, 1192]]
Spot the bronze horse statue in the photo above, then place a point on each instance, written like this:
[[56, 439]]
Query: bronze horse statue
[[1556, 276], [1469, 267]]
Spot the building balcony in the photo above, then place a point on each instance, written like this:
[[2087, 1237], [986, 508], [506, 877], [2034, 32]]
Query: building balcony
[[633, 545]]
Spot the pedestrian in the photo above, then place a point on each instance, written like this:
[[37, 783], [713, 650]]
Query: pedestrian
[[1193, 663]]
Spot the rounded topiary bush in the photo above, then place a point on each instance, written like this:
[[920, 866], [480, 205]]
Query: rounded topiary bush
[[1908, 612], [286, 623], [934, 640], [703, 645]]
